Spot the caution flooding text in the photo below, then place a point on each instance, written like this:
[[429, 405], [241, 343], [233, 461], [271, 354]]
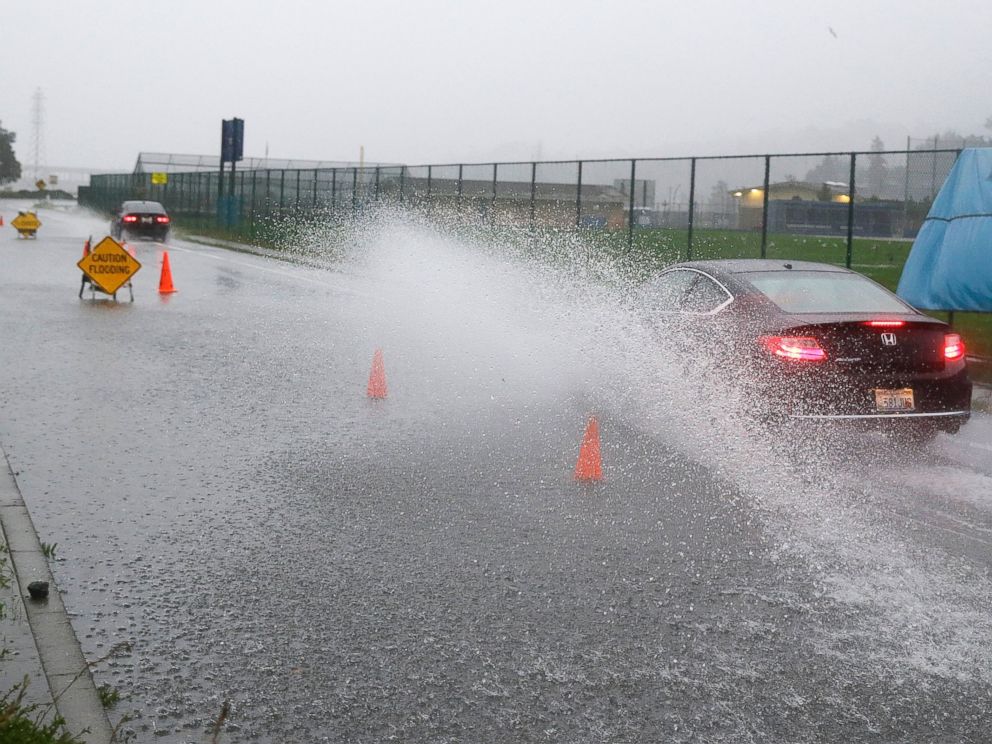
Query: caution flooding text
[[107, 263]]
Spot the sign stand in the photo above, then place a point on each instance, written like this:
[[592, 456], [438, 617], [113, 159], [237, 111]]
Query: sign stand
[[94, 288], [26, 224], [107, 268]]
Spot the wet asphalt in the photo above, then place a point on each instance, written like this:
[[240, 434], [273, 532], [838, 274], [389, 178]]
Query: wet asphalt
[[424, 568]]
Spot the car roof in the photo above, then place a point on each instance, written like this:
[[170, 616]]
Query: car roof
[[748, 265]]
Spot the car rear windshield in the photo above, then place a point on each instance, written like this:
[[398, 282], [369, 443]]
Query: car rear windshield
[[146, 207], [824, 292]]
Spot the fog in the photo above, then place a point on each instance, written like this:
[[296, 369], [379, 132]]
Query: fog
[[445, 81]]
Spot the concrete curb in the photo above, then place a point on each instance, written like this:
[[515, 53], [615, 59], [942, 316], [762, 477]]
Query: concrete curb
[[65, 668]]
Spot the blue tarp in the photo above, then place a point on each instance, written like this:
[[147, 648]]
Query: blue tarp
[[950, 264]]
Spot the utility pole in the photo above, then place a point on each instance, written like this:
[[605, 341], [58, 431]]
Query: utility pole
[[37, 131]]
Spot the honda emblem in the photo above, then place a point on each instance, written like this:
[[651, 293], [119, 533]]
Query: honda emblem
[[888, 339]]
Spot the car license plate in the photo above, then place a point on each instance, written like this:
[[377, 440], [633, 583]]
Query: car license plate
[[894, 400], [146, 220]]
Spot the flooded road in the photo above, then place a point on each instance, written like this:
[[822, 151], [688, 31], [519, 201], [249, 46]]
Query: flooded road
[[424, 568]]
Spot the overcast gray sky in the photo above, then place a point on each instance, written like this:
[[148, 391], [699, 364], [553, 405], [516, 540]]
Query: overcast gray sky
[[441, 81]]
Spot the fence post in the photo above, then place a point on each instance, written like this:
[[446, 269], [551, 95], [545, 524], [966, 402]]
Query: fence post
[[578, 197], [241, 197], [334, 189], [630, 212], [933, 168], [692, 208], [905, 194], [430, 178], [377, 169], [402, 181], [459, 198], [251, 217], [850, 213], [492, 212], [354, 191], [220, 192], [315, 172], [282, 193], [764, 207], [533, 194]]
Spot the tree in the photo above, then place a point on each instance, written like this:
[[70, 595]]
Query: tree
[[10, 169], [877, 169], [951, 140], [720, 204], [831, 168]]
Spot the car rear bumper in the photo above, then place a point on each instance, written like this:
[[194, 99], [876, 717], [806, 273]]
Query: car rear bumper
[[941, 400], [152, 232], [962, 416]]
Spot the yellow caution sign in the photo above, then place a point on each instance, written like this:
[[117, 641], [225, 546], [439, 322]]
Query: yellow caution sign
[[26, 223], [109, 266], [160, 179]]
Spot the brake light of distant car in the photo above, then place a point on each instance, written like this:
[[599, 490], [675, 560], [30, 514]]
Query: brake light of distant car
[[886, 323], [162, 219], [796, 348], [953, 347], [129, 218]]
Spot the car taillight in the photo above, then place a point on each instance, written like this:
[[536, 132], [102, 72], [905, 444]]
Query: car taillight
[[162, 219], [797, 348], [130, 218], [886, 323], [953, 347]]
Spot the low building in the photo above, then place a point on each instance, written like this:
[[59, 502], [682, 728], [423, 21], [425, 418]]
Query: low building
[[814, 209]]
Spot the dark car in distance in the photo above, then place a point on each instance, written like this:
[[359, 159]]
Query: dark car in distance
[[816, 342], [141, 219]]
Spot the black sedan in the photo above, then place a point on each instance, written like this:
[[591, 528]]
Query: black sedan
[[141, 219], [817, 342]]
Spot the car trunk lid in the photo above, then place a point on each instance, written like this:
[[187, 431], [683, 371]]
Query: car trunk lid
[[912, 344]]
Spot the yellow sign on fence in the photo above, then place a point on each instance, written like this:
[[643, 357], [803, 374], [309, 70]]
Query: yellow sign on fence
[[160, 179], [109, 266], [26, 223]]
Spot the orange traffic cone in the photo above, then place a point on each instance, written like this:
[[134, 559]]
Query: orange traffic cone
[[590, 464], [86, 246], [377, 377], [165, 282], [130, 250], [1, 220]]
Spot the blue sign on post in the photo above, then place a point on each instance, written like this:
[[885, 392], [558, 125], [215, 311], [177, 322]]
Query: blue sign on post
[[232, 140]]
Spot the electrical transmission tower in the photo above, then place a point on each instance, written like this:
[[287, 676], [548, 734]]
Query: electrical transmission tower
[[38, 125]]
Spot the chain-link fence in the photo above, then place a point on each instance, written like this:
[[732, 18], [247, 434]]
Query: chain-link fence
[[808, 205]]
